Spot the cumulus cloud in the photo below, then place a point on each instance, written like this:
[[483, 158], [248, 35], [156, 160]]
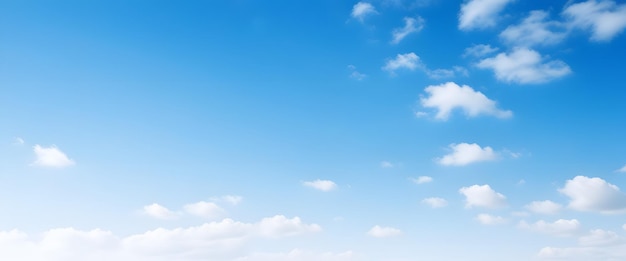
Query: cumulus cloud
[[422, 179], [219, 241], [544, 207], [524, 66], [435, 202], [380, 232], [204, 209], [593, 194], [477, 14], [482, 196], [605, 19], [464, 153], [408, 61], [535, 29], [361, 10], [51, 157], [411, 25], [323, 185], [487, 219], [479, 50], [599, 237], [159, 212], [561, 227], [449, 96], [598, 244]]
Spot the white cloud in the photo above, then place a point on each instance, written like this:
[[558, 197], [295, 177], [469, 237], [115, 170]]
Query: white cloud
[[232, 199], [160, 212], [464, 153], [479, 50], [561, 227], [51, 157], [299, 255], [482, 196], [409, 61], [281, 226], [487, 219], [18, 141], [204, 209], [386, 164], [363, 9], [535, 30], [477, 14], [450, 96], [435, 202], [440, 73], [598, 244], [378, 231], [623, 169], [354, 74], [422, 180], [593, 194], [524, 66], [411, 25], [323, 185], [544, 207], [605, 19], [599, 237]]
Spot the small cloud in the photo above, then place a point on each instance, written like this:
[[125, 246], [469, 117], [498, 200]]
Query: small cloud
[[544, 207], [421, 114], [386, 164], [593, 194], [521, 182], [435, 202], [18, 141], [159, 212], [323, 185], [561, 227], [464, 153], [408, 61], [422, 179], [535, 30], [479, 14], [524, 66], [232, 199], [51, 157], [363, 9], [381, 232], [487, 219], [448, 97], [479, 50], [411, 25], [354, 74], [204, 209], [623, 169], [482, 196], [604, 19]]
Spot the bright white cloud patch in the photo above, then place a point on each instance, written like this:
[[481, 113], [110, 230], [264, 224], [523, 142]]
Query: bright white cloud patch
[[411, 25], [477, 14], [378, 231], [487, 219], [594, 194], [160, 212], [204, 209], [450, 96], [479, 50], [323, 185], [598, 244], [435, 202], [524, 66], [464, 153], [422, 179], [605, 19], [535, 29], [362, 9], [544, 207], [408, 61], [561, 227], [482, 196], [51, 157], [281, 226]]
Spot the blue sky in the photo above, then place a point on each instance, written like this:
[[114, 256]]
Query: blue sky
[[324, 130]]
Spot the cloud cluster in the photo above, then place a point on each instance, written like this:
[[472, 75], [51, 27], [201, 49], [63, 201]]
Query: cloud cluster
[[524, 66]]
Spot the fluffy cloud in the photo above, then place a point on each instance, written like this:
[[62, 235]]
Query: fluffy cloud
[[544, 207], [482, 196], [409, 61], [51, 157], [561, 227], [598, 244], [204, 209], [524, 66], [593, 194], [422, 179], [362, 9], [464, 153], [599, 237], [281, 226], [435, 202], [160, 212], [411, 25], [535, 30], [378, 231], [476, 14], [479, 50], [323, 185], [487, 219], [605, 19], [450, 96]]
